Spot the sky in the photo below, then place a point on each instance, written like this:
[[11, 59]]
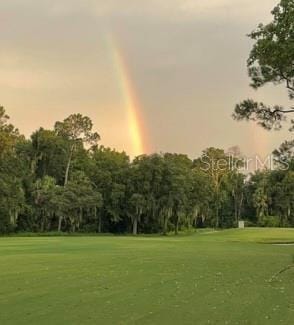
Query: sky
[[182, 69]]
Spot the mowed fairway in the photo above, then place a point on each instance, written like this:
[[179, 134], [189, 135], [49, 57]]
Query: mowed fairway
[[206, 278]]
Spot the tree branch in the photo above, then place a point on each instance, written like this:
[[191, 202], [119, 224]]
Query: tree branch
[[285, 112]]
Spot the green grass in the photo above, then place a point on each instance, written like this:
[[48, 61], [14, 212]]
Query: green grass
[[210, 277]]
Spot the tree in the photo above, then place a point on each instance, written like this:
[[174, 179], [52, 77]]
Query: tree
[[146, 178], [200, 198], [261, 195], [108, 171], [12, 200], [284, 154], [12, 171], [138, 205], [217, 165], [9, 135], [178, 187], [235, 183], [77, 129], [287, 198], [48, 154], [271, 61], [44, 200], [79, 197]]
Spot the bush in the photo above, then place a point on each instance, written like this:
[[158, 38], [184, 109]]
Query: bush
[[270, 221]]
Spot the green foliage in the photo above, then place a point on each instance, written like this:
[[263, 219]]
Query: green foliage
[[58, 181], [76, 130], [271, 61], [8, 134], [270, 221]]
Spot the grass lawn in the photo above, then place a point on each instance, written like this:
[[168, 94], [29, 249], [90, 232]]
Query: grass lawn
[[207, 278]]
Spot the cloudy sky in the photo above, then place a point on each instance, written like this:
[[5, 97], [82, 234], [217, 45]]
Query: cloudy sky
[[186, 59]]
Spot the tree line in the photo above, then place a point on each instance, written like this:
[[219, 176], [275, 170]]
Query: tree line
[[63, 180]]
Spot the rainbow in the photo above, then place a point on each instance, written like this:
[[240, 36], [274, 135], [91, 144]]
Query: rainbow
[[137, 134]]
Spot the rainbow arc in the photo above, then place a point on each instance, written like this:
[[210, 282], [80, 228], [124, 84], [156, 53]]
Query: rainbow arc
[[137, 134]]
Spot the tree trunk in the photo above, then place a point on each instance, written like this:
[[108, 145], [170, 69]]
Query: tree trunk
[[165, 225], [167, 216], [240, 207], [99, 223], [217, 217], [236, 210], [135, 226], [80, 219], [49, 225], [177, 226], [68, 165], [59, 223], [99, 220], [43, 224], [11, 218], [217, 223]]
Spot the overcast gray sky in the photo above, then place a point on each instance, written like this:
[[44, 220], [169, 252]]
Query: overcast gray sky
[[187, 60]]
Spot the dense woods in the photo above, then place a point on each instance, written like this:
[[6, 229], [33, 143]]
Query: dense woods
[[62, 180]]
